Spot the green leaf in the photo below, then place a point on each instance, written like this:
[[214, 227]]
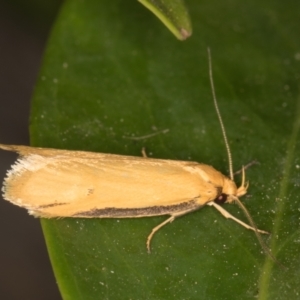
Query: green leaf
[[173, 14], [110, 71]]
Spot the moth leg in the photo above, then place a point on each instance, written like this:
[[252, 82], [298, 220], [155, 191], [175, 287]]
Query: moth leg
[[250, 164], [155, 229], [144, 154], [227, 215]]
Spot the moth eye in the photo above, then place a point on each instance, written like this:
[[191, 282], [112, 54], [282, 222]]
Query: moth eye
[[221, 199]]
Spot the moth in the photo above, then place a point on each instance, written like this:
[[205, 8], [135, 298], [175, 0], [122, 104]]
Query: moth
[[52, 183]]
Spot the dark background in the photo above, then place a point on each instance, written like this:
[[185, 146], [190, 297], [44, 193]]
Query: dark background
[[24, 27]]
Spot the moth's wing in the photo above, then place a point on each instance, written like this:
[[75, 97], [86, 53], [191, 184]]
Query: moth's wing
[[60, 183]]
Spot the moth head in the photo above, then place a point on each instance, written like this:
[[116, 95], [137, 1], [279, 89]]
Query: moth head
[[230, 193], [226, 192]]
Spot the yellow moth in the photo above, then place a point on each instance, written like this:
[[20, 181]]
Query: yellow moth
[[53, 183]]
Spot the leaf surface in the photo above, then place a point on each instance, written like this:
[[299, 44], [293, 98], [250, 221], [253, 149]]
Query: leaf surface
[[112, 71]]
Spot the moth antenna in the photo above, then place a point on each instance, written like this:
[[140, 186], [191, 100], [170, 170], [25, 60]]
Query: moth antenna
[[260, 239], [219, 115]]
